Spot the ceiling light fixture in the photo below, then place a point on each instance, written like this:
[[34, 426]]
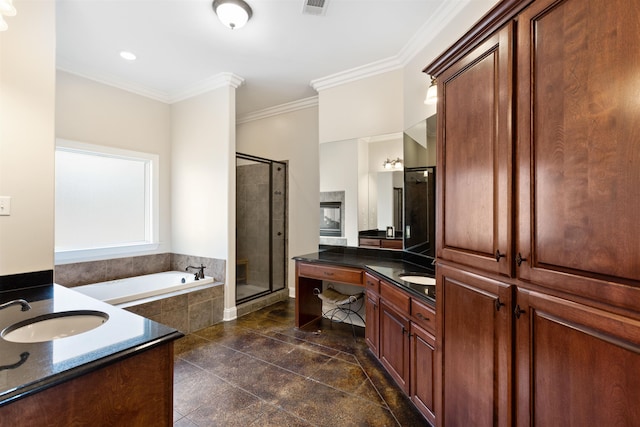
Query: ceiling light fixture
[[392, 164], [233, 13], [432, 92], [129, 56], [6, 9]]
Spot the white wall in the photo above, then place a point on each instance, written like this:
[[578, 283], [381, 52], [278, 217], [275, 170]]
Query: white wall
[[367, 107], [27, 91], [339, 172], [203, 181], [92, 112], [291, 136], [415, 82]]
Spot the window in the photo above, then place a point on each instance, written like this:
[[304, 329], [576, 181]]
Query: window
[[106, 201]]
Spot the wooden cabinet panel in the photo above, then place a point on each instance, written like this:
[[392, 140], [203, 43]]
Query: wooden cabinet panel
[[396, 297], [476, 331], [423, 370], [578, 146], [371, 283], [391, 244], [331, 273], [136, 391], [394, 344], [423, 315], [372, 328], [474, 154], [576, 365]]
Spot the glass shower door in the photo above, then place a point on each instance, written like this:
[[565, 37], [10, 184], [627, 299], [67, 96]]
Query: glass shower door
[[260, 226]]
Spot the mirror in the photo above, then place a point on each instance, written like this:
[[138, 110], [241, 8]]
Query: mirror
[[361, 200], [419, 145], [370, 196]]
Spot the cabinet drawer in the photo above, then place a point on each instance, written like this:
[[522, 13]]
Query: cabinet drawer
[[391, 244], [423, 315], [395, 296], [371, 283], [375, 243], [335, 274]]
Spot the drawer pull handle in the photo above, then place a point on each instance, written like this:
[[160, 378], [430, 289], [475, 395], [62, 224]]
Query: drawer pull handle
[[327, 273], [422, 317]]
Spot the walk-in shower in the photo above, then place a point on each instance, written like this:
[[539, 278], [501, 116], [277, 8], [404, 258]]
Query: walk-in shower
[[261, 224]]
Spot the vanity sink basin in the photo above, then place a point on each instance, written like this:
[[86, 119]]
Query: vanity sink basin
[[419, 280], [54, 326]]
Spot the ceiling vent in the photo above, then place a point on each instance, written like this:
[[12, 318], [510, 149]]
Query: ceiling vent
[[315, 7]]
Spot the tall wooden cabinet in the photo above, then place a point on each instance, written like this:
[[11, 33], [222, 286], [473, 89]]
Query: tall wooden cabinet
[[538, 201]]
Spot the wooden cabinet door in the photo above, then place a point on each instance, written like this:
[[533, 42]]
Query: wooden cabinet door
[[575, 365], [475, 157], [578, 157], [475, 340], [394, 344], [423, 370], [371, 329]]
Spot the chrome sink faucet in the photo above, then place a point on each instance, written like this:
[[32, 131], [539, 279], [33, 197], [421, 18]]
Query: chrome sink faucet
[[199, 273], [25, 305]]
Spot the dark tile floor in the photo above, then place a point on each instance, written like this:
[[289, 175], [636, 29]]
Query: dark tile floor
[[259, 370]]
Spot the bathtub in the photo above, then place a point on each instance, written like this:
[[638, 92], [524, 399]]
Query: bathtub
[[131, 289]]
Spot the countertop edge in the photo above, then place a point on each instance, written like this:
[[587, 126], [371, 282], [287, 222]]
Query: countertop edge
[[56, 379], [369, 267]]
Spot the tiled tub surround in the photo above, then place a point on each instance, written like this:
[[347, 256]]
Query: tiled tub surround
[[185, 310], [85, 273]]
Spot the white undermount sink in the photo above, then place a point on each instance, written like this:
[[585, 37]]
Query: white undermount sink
[[419, 280], [53, 326]]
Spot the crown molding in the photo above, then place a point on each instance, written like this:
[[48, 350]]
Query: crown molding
[[113, 81], [436, 23], [354, 74], [441, 18], [214, 82], [279, 109]]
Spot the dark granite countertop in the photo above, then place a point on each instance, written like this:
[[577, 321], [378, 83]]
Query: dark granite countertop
[[389, 265], [26, 368]]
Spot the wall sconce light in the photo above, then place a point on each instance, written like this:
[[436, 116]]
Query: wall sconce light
[[392, 164], [432, 93], [232, 13], [6, 9]]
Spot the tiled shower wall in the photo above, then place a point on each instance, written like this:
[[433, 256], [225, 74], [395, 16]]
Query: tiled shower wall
[[252, 216]]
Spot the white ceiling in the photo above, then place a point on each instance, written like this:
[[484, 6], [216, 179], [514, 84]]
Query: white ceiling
[[181, 45]]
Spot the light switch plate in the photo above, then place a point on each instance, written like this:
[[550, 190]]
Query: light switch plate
[[5, 205]]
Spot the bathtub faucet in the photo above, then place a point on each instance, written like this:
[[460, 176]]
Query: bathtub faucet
[[25, 305], [199, 273]]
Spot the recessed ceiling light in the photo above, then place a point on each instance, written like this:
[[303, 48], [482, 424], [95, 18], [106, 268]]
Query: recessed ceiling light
[[128, 55]]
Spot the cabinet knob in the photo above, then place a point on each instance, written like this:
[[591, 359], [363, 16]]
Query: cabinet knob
[[498, 304], [518, 311], [519, 259], [499, 255]]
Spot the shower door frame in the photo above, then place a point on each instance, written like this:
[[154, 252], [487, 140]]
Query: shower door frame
[[284, 165]]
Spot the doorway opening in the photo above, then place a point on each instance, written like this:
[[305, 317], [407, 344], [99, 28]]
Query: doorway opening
[[261, 224]]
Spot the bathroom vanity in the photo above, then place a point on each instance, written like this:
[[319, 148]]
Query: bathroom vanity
[[120, 373], [399, 308]]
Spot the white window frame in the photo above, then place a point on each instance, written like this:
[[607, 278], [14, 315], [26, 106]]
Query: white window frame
[[152, 205]]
